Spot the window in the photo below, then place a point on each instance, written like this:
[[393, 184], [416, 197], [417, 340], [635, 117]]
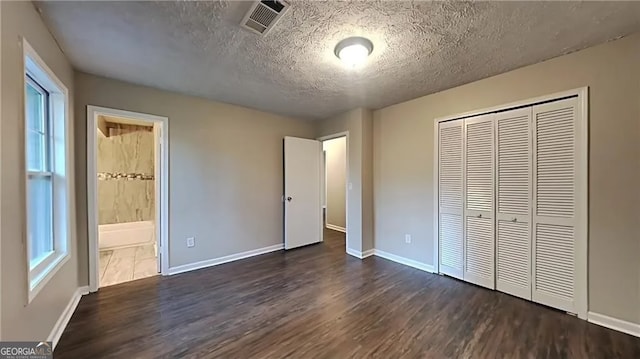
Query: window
[[39, 176], [46, 151]]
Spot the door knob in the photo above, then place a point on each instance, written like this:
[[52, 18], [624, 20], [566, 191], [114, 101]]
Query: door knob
[[480, 215], [514, 219], [289, 199]]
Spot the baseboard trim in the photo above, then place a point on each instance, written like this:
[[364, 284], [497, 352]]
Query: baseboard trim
[[65, 317], [368, 253], [614, 323], [336, 228], [353, 252], [360, 255], [406, 261], [226, 259]]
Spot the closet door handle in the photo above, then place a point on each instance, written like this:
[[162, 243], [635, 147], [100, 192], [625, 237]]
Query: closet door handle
[[480, 215], [514, 220]]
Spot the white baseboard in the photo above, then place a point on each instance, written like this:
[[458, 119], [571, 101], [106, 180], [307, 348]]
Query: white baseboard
[[336, 228], [64, 318], [406, 261], [368, 253], [358, 254], [226, 259], [353, 252], [614, 323]]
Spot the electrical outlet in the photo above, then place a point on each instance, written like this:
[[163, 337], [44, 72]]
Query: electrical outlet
[[407, 238], [191, 242]]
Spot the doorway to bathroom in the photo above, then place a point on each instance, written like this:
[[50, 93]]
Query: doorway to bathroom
[[334, 183], [127, 195]]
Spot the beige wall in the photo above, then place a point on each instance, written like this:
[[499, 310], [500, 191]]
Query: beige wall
[[127, 151], [359, 124], [336, 179], [404, 152], [225, 177], [22, 321], [367, 181]]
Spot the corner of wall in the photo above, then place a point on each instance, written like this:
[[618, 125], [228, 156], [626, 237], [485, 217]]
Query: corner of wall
[[368, 233]]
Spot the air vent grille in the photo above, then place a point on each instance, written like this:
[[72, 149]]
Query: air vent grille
[[263, 15]]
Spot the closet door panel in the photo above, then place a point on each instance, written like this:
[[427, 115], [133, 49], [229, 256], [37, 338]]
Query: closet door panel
[[479, 201], [513, 212], [513, 262], [479, 263], [554, 219], [450, 198], [451, 246]]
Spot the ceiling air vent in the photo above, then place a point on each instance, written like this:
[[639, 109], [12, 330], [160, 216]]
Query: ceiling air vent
[[263, 15]]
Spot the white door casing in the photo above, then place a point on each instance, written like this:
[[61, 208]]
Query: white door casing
[[513, 202], [157, 166], [479, 216], [302, 192], [161, 161]]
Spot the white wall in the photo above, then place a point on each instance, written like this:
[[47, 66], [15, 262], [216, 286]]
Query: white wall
[[336, 178], [22, 320], [404, 154]]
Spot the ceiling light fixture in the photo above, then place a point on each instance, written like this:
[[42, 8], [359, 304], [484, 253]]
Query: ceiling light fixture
[[354, 51]]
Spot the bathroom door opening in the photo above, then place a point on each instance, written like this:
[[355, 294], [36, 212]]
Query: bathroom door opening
[[127, 192], [334, 179]]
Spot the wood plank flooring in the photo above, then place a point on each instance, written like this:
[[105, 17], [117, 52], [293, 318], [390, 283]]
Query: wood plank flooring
[[318, 302]]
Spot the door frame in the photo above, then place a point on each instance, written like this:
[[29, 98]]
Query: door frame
[[161, 172], [344, 134], [582, 189]]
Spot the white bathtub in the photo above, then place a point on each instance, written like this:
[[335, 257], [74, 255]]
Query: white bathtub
[[122, 235]]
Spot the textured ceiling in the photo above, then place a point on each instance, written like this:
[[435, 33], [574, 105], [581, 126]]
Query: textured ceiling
[[198, 48]]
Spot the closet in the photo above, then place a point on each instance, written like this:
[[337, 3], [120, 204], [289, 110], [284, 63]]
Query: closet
[[512, 201]]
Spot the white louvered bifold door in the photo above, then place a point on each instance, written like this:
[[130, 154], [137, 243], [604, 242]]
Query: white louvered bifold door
[[513, 202], [554, 219], [450, 200], [479, 243]]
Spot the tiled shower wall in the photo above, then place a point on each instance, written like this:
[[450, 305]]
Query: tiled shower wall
[[125, 174]]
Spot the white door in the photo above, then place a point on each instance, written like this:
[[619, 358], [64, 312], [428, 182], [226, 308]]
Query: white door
[[556, 176], [513, 203], [302, 192], [479, 238], [450, 197]]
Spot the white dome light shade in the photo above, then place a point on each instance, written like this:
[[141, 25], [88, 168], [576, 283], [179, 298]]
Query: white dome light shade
[[354, 55], [353, 51]]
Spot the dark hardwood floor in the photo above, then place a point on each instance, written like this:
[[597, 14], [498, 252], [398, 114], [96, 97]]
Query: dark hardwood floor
[[318, 302]]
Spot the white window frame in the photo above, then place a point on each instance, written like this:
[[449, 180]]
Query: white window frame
[[59, 169]]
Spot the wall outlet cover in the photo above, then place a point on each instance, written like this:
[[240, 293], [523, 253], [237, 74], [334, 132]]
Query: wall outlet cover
[[191, 242]]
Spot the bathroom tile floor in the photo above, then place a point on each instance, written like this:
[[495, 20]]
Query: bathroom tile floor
[[126, 264]]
